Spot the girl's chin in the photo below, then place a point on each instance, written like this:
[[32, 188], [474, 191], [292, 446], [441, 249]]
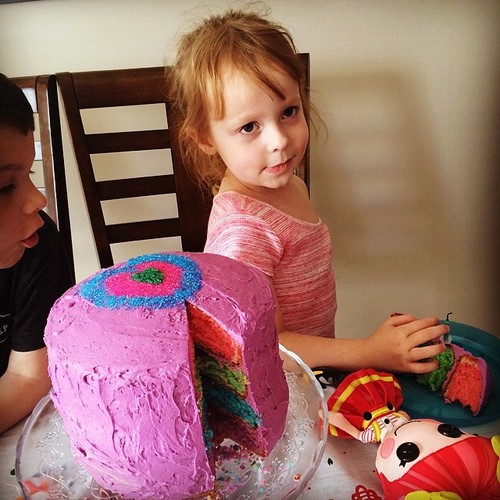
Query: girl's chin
[[278, 180]]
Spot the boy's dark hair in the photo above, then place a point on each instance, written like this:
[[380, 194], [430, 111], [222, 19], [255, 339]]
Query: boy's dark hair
[[15, 109]]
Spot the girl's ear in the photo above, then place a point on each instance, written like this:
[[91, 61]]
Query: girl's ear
[[203, 142]]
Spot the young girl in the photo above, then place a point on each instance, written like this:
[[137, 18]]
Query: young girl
[[239, 85], [34, 269]]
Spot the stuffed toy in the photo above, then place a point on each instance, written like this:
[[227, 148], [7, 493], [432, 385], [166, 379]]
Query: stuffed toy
[[365, 405], [425, 456], [417, 459]]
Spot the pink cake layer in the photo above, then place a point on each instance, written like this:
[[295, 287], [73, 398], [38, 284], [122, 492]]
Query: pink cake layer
[[485, 372], [122, 380]]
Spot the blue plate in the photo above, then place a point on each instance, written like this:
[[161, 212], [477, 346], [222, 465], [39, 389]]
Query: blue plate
[[421, 402]]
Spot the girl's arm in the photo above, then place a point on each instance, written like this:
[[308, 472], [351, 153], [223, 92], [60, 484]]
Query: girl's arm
[[396, 346]]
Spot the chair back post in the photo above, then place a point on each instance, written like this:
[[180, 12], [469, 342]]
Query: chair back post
[[193, 202], [96, 216], [52, 152], [304, 169]]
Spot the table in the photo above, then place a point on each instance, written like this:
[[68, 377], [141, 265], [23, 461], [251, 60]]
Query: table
[[346, 471]]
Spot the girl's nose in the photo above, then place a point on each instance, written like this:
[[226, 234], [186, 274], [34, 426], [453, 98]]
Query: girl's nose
[[278, 139]]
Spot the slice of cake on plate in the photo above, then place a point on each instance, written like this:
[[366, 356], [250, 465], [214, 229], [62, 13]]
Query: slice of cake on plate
[[461, 377]]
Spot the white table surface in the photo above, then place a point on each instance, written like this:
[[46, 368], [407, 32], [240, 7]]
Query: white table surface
[[346, 471]]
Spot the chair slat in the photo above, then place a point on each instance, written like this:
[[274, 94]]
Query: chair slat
[[121, 87], [144, 140], [143, 230], [134, 187]]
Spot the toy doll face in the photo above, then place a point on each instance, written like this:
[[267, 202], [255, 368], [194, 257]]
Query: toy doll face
[[412, 442]]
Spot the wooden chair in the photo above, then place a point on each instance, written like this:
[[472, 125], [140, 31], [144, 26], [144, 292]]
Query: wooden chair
[[41, 92], [107, 90]]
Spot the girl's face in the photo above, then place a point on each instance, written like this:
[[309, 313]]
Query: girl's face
[[20, 200], [261, 138]]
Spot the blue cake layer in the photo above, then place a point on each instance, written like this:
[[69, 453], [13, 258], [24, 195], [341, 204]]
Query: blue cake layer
[[228, 400]]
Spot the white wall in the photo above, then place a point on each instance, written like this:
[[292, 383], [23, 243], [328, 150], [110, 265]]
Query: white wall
[[406, 175]]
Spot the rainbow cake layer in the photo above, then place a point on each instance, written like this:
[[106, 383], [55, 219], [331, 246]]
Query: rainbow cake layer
[[461, 377], [157, 360]]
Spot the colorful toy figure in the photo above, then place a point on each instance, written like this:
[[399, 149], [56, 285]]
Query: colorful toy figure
[[417, 459], [365, 406], [427, 459]]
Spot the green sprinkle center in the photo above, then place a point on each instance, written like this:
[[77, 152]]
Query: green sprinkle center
[[150, 275]]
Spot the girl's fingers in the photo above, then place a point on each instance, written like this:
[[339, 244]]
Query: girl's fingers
[[423, 366], [425, 353], [397, 319], [431, 333]]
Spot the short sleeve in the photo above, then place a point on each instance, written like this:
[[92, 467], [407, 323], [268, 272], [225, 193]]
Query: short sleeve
[[248, 239]]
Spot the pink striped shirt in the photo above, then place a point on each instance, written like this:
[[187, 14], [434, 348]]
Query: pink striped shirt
[[296, 254]]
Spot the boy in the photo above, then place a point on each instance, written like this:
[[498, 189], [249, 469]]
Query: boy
[[34, 269]]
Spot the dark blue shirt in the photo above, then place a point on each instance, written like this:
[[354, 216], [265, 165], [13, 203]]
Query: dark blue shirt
[[29, 289]]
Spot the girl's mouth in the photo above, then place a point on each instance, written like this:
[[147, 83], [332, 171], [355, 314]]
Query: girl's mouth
[[277, 169]]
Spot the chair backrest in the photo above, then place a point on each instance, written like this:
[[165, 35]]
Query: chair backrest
[[135, 89], [41, 92]]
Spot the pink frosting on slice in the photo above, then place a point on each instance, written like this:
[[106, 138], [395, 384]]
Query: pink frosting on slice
[[486, 375]]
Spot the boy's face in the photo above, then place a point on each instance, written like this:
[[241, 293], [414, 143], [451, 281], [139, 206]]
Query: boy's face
[[20, 200]]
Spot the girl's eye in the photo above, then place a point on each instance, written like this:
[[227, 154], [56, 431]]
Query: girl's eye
[[248, 128], [289, 112]]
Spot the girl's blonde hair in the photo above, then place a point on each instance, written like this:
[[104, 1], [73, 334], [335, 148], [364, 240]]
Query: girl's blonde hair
[[243, 41]]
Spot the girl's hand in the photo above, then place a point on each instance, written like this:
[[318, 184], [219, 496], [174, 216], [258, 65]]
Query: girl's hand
[[398, 345]]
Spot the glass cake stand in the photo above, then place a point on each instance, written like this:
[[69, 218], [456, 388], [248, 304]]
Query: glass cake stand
[[46, 468]]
